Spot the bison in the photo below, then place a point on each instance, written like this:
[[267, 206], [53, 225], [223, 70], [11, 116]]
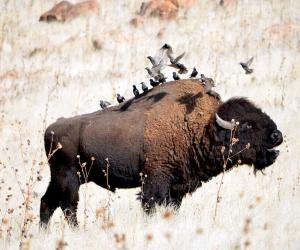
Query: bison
[[174, 137]]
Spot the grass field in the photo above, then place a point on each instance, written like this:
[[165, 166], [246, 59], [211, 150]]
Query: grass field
[[49, 70]]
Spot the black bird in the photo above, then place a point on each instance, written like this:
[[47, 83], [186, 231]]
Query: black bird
[[245, 66], [154, 83], [104, 104], [135, 91], [175, 76], [144, 87], [194, 73], [120, 98]]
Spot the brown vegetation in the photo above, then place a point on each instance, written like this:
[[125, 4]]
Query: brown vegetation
[[66, 11]]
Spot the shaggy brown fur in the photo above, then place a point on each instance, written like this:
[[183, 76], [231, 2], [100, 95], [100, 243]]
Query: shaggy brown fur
[[169, 134]]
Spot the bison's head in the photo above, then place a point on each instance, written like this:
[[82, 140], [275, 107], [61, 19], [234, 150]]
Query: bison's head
[[254, 133]]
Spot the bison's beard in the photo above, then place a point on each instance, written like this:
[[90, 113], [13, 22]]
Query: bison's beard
[[265, 158]]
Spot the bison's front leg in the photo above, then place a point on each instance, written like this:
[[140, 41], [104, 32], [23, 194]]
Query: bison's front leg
[[155, 190]]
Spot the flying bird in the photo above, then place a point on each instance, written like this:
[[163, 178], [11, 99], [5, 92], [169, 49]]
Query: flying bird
[[175, 76], [144, 87], [150, 72], [135, 91], [154, 83], [120, 98], [175, 61], [181, 68], [194, 73], [167, 47], [152, 60], [246, 65], [158, 61], [104, 104]]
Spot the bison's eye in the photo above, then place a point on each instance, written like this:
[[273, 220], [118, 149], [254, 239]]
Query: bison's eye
[[245, 126]]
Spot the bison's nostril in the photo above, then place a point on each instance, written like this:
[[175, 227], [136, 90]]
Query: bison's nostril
[[276, 136]]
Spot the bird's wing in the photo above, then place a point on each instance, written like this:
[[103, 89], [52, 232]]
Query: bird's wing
[[178, 58], [151, 60], [249, 61], [182, 71], [149, 72], [157, 68], [174, 66], [160, 57], [244, 65], [171, 58]]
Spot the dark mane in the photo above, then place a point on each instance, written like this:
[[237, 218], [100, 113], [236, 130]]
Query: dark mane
[[236, 107]]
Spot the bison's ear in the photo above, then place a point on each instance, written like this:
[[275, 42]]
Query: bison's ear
[[245, 127]]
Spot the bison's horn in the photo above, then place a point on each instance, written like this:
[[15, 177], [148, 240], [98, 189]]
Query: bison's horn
[[225, 124]]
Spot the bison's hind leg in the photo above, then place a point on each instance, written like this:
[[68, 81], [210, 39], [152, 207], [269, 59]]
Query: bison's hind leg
[[49, 202], [62, 191]]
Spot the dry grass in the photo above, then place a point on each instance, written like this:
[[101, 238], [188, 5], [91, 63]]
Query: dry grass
[[53, 70]]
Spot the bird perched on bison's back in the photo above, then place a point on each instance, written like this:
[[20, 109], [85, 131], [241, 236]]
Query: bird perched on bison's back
[[120, 98], [154, 83], [194, 73], [104, 104], [207, 81], [144, 87], [246, 65], [176, 159], [135, 91], [175, 76]]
